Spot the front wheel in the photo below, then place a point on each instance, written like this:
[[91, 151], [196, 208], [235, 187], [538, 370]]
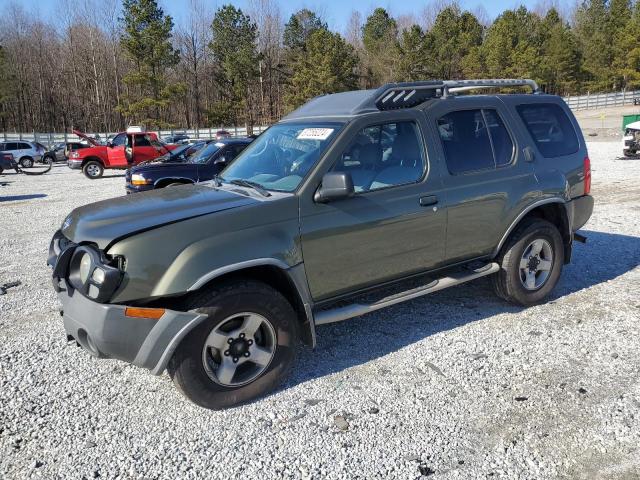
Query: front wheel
[[26, 162], [243, 350], [530, 263], [93, 169]]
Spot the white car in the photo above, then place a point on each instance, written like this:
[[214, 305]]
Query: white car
[[25, 153]]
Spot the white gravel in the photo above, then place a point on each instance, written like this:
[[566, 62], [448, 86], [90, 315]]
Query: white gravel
[[455, 385]]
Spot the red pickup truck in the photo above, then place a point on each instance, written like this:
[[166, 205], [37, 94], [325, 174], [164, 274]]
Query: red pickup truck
[[124, 150]]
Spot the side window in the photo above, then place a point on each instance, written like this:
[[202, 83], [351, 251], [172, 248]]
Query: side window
[[465, 140], [500, 138], [12, 146], [142, 141], [24, 146], [383, 156], [234, 151], [119, 140], [550, 128]]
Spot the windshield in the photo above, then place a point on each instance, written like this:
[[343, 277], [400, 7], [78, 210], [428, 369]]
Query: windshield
[[204, 154], [280, 158]]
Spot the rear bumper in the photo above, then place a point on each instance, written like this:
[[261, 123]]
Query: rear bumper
[[74, 164], [581, 209], [106, 332]]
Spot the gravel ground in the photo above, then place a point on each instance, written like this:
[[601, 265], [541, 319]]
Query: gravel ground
[[453, 385]]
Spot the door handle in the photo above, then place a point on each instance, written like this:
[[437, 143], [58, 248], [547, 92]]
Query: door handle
[[428, 200]]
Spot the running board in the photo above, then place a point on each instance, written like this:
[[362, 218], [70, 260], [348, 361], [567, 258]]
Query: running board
[[355, 310]]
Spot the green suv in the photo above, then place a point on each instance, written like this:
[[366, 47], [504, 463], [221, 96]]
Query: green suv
[[354, 202]]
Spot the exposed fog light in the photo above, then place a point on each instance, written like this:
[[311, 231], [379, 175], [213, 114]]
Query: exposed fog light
[[98, 276], [93, 291]]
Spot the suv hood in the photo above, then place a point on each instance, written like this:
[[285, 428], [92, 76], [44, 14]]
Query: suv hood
[[89, 139], [106, 221]]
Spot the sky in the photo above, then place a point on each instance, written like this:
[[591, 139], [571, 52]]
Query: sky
[[335, 12]]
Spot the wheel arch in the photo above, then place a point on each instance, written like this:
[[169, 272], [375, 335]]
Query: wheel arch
[[92, 159], [553, 210], [289, 281], [163, 182]]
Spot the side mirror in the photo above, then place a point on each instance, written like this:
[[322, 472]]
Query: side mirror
[[110, 144], [335, 186]]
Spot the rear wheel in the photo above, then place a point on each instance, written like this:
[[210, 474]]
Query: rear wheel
[[530, 263], [243, 350], [93, 169]]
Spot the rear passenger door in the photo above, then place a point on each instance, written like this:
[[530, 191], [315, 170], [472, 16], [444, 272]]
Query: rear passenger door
[[485, 172]]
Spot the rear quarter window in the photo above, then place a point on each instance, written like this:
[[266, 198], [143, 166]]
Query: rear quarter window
[[550, 128]]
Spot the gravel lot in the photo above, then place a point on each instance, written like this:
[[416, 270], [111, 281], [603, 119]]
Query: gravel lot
[[453, 385]]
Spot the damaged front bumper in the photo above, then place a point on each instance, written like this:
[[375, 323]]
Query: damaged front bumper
[[107, 331]]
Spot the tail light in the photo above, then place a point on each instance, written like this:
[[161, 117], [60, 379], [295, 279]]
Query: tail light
[[586, 169]]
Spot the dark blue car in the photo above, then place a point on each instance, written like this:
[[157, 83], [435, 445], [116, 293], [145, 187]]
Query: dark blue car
[[176, 169]]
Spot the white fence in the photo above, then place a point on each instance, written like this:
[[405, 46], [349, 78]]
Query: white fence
[[600, 100], [582, 102], [52, 138]]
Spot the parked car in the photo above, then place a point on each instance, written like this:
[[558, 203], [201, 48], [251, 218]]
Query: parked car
[[59, 152], [221, 134], [26, 153], [140, 145], [7, 162], [176, 138], [203, 165], [631, 139], [354, 202]]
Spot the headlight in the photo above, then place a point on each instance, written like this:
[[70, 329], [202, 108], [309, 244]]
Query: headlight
[[138, 179], [85, 267], [91, 274]]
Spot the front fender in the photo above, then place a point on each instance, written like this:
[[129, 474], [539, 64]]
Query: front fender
[[171, 259]]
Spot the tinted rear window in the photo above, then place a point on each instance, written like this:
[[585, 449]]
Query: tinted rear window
[[550, 129]]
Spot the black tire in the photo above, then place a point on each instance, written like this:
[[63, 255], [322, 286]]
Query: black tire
[[1, 170], [93, 169], [507, 282], [187, 367], [26, 162]]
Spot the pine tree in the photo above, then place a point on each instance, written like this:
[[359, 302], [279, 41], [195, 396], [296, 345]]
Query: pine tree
[[413, 63], [300, 25], [234, 51], [327, 67], [592, 25], [453, 37], [560, 64], [147, 43], [380, 40], [513, 46]]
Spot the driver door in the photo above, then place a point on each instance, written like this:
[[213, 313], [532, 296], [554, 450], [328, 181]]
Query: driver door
[[115, 152], [392, 227]]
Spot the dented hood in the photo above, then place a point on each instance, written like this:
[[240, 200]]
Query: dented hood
[[105, 222]]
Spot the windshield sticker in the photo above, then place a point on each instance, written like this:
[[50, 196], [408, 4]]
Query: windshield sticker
[[315, 134]]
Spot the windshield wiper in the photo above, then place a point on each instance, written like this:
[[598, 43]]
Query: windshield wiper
[[248, 183]]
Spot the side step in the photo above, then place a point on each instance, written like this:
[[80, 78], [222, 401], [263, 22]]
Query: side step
[[355, 310]]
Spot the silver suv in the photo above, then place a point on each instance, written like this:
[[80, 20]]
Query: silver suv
[[25, 153]]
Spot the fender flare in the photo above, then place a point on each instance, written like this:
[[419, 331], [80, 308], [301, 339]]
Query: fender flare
[[522, 214]]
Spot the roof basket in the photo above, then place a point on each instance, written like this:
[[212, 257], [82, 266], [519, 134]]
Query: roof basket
[[411, 94]]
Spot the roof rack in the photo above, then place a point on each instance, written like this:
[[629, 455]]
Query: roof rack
[[407, 95], [452, 86]]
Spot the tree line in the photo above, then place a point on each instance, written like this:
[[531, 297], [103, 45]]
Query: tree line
[[100, 65]]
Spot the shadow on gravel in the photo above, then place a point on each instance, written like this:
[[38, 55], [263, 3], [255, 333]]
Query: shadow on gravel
[[16, 198], [353, 342]]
